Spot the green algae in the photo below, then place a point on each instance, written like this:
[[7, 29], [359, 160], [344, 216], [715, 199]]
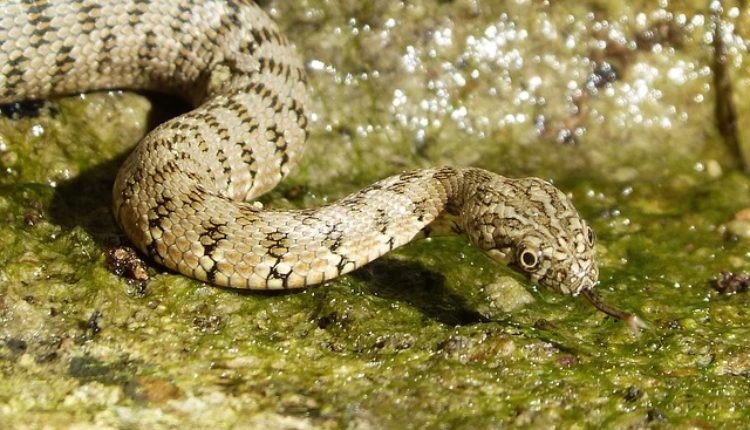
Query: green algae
[[434, 335]]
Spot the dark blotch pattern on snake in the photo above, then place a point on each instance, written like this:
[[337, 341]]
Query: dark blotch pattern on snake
[[183, 195]]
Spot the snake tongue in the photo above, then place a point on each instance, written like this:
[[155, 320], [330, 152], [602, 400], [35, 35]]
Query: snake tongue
[[635, 324]]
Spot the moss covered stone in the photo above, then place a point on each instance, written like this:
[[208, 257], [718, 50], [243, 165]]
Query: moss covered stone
[[612, 101]]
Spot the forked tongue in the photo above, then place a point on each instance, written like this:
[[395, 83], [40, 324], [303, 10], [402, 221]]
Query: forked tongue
[[634, 323]]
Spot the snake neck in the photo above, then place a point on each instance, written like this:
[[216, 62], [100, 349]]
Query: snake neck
[[447, 218]]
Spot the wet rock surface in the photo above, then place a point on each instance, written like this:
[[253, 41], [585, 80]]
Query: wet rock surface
[[616, 103]]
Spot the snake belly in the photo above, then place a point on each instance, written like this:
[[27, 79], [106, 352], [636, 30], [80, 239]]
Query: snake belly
[[182, 196]]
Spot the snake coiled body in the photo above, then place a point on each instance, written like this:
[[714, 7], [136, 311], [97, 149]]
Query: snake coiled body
[[182, 196]]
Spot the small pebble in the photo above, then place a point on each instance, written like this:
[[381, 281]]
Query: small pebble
[[740, 226]]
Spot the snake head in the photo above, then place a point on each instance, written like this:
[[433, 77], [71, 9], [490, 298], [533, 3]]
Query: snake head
[[532, 227]]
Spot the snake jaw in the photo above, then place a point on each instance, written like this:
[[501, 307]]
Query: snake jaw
[[584, 279]]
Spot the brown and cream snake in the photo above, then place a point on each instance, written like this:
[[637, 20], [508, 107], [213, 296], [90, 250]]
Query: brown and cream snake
[[183, 195]]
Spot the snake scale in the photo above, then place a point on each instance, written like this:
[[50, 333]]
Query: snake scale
[[182, 196]]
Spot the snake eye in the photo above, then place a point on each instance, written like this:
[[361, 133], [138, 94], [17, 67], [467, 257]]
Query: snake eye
[[590, 235], [528, 259]]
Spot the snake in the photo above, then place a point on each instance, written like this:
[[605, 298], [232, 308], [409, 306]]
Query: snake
[[184, 196]]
